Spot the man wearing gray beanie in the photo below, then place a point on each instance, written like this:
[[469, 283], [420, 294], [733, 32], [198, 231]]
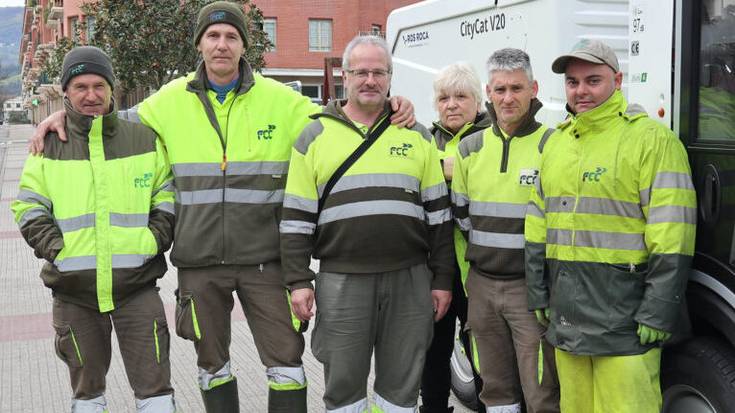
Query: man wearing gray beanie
[[229, 132], [99, 209]]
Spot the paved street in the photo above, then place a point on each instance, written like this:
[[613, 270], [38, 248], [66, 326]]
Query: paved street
[[33, 379]]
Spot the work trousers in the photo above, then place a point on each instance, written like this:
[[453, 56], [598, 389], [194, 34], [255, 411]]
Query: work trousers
[[205, 302], [390, 313], [610, 384], [508, 341], [437, 376], [83, 342]]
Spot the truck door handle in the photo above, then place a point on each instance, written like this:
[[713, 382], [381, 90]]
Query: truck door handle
[[709, 202]]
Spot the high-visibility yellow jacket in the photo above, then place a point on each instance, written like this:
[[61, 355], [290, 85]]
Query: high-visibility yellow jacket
[[493, 177], [99, 208], [389, 211], [229, 162], [613, 217]]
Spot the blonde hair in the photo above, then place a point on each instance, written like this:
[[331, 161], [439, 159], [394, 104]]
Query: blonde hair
[[457, 77]]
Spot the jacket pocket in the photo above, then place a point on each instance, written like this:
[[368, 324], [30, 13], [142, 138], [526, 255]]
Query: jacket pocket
[[562, 300], [67, 347], [187, 325], [162, 340], [625, 289]]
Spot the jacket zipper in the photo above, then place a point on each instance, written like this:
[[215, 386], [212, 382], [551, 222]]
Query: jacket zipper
[[506, 154], [223, 167]]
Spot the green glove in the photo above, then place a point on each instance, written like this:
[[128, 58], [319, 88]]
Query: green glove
[[542, 315], [650, 335]]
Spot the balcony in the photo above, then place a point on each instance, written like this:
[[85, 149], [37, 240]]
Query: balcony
[[56, 11]]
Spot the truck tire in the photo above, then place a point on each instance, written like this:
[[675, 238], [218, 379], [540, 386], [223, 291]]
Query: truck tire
[[463, 383], [698, 376]]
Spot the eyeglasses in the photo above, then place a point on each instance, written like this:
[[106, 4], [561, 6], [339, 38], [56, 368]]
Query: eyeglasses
[[364, 74]]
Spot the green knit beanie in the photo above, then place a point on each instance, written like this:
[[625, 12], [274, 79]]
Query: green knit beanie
[[221, 12]]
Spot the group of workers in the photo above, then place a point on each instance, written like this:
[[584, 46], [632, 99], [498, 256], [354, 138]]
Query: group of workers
[[564, 252]]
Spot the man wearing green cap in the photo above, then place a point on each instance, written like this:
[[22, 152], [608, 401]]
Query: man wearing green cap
[[99, 209], [609, 240], [228, 132]]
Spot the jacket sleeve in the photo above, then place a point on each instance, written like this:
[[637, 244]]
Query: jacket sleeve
[[300, 107], [669, 205], [460, 198], [535, 248], [438, 216], [33, 212], [161, 216], [299, 218]]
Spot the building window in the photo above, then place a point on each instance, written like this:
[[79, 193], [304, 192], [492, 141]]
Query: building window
[[17, 105], [269, 27], [320, 35], [312, 91], [73, 26], [91, 25], [376, 30]]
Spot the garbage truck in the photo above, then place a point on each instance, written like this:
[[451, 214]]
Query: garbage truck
[[678, 60]]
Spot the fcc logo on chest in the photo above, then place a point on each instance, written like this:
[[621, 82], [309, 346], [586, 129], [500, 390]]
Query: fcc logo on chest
[[528, 177]]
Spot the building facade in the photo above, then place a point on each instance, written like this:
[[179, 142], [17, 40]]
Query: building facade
[[303, 33]]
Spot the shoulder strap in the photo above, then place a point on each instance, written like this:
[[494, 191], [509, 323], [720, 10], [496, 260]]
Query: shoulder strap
[[544, 138], [354, 156]]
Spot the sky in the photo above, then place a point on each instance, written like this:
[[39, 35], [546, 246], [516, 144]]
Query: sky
[[11, 3]]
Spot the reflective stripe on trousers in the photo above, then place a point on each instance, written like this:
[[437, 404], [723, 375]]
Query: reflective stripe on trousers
[[96, 405], [156, 404], [286, 378], [385, 406], [359, 406], [510, 408], [209, 380]]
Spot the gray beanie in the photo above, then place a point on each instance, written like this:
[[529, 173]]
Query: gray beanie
[[221, 12], [86, 59]]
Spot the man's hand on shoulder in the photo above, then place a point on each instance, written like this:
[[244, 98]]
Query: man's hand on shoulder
[[53, 123], [302, 301], [404, 114]]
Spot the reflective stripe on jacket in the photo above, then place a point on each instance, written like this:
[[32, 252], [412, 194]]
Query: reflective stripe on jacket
[[229, 161], [493, 177], [613, 217], [99, 208], [389, 211]]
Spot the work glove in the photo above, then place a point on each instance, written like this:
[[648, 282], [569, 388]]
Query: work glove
[[650, 335], [542, 315]]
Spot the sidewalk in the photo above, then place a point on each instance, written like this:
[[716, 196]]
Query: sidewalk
[[33, 379]]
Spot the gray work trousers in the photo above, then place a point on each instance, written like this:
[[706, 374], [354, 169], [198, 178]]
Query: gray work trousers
[[390, 313]]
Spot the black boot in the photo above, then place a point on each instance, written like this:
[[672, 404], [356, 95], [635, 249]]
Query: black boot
[[222, 399], [287, 401]]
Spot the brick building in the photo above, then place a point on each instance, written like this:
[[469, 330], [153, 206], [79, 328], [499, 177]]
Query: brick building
[[304, 32]]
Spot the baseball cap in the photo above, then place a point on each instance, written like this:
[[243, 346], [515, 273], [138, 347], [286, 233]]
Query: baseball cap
[[593, 51]]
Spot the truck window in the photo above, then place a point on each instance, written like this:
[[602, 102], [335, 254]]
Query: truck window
[[717, 71]]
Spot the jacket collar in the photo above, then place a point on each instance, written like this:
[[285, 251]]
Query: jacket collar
[[200, 83], [597, 119], [528, 125], [79, 125], [334, 111], [482, 121]]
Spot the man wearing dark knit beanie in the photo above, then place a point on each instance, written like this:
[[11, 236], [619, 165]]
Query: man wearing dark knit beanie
[[86, 59], [100, 210], [229, 132]]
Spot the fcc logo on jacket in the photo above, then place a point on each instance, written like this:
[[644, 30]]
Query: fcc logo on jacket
[[528, 177]]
